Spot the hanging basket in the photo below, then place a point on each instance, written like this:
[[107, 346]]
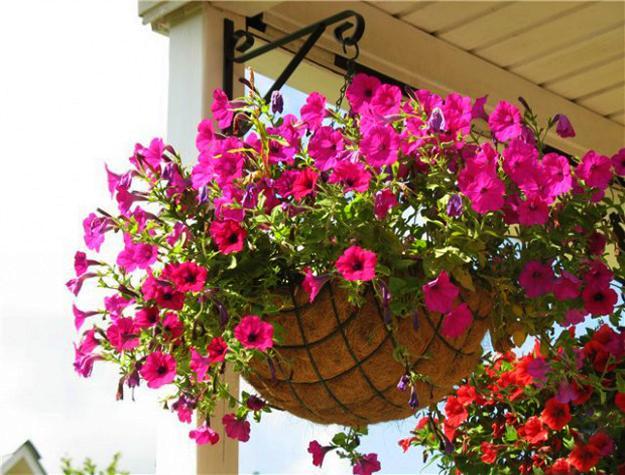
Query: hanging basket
[[336, 362]]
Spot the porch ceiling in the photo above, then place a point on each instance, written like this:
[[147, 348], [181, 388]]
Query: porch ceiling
[[562, 57]]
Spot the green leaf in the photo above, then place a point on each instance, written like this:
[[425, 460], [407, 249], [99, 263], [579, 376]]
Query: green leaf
[[511, 434]]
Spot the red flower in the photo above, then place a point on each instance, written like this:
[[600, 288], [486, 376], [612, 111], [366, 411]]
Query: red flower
[[228, 235], [217, 349], [489, 452], [584, 457], [252, 332], [188, 277], [556, 415], [560, 467], [357, 263], [619, 400], [603, 443], [533, 431], [455, 412]]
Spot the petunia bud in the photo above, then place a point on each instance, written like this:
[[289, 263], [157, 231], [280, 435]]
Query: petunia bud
[[402, 385], [277, 102], [564, 128], [436, 122], [454, 206], [413, 402]]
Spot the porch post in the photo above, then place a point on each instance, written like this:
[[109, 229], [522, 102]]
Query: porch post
[[195, 33]]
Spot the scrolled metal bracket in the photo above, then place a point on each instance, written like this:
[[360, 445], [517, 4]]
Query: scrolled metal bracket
[[241, 41]]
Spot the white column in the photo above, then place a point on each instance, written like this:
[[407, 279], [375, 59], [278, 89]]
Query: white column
[[195, 70]]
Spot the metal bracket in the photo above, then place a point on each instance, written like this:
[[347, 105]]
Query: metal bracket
[[242, 40]]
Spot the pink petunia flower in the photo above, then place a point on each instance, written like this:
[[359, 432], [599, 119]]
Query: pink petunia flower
[[228, 235], [564, 128], [598, 274], [386, 100], [82, 264], [189, 277], [153, 153], [238, 429], [566, 287], [521, 163], [366, 465], [252, 332], [136, 255], [115, 304], [314, 111], [574, 316], [116, 181], [304, 184], [147, 317], [172, 326], [158, 369], [199, 365], [558, 174], [222, 109], [485, 192], [205, 135], [204, 435], [457, 110], [533, 211], [599, 299], [318, 452], [440, 293], [95, 227], [477, 111], [84, 360], [505, 121], [536, 279], [74, 285], [357, 263], [324, 146], [618, 162], [456, 322], [361, 90], [352, 175], [385, 200], [80, 316], [595, 170], [313, 284], [380, 146], [123, 334], [538, 368]]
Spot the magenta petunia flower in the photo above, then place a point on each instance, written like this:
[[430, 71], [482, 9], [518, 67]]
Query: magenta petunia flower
[[538, 368], [456, 322], [81, 263], [318, 452], [352, 175], [595, 170], [95, 228], [204, 435], [253, 333], [361, 90], [116, 181], [228, 235], [521, 163], [618, 162], [574, 316], [217, 349], [477, 111], [324, 146], [564, 128], [357, 263], [314, 111], [84, 360], [366, 465], [386, 100], [158, 369], [153, 153], [457, 110], [172, 326], [598, 274], [533, 211], [80, 316], [485, 192], [136, 255], [74, 285], [536, 279], [380, 145], [222, 109], [313, 284], [505, 121], [238, 429], [599, 299], [558, 174], [385, 200], [566, 287], [123, 334], [440, 294], [189, 277], [205, 135], [254, 403], [304, 183], [199, 365], [147, 317]]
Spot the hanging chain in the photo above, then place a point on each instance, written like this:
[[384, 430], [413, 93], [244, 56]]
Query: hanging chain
[[349, 74]]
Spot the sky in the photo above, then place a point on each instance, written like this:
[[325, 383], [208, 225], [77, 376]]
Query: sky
[[81, 82]]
